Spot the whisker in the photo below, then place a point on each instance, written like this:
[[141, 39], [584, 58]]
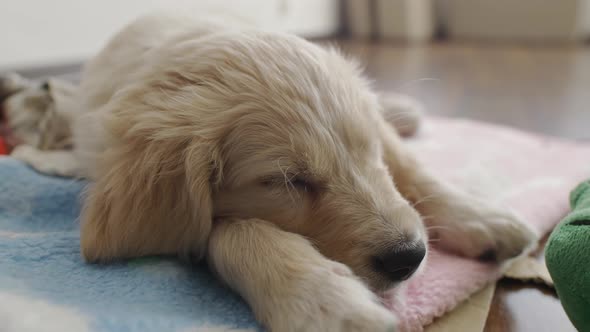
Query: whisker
[[438, 227], [288, 184], [424, 199]]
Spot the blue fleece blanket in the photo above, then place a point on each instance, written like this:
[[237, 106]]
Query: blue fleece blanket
[[45, 285]]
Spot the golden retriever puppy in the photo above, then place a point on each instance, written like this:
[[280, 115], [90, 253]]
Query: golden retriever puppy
[[270, 157]]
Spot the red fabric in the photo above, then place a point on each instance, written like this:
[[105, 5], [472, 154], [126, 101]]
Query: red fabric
[[3, 147]]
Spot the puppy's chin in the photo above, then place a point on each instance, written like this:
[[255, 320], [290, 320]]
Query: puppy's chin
[[382, 284]]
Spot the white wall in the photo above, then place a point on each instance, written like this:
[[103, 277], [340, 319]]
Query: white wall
[[518, 20], [46, 32]]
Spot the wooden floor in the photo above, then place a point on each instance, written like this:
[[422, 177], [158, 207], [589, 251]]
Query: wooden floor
[[545, 90], [539, 89]]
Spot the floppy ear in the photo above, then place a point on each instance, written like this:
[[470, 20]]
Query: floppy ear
[[152, 195]]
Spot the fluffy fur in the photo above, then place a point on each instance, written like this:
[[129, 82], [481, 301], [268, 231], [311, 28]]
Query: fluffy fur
[[267, 155]]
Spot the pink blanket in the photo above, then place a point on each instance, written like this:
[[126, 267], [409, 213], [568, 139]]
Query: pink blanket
[[531, 174]]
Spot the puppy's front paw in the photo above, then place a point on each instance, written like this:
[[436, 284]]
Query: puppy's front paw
[[476, 230], [60, 163], [330, 298], [24, 153]]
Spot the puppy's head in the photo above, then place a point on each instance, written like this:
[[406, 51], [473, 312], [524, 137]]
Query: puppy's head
[[302, 147], [252, 125]]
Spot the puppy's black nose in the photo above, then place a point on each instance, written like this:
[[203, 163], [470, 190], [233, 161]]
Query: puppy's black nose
[[402, 262]]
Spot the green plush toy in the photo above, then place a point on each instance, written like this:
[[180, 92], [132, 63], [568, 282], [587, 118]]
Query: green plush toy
[[567, 256]]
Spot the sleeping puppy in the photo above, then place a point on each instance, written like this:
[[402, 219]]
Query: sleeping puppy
[[271, 158]]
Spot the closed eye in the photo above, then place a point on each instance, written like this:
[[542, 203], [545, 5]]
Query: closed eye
[[301, 184], [288, 181]]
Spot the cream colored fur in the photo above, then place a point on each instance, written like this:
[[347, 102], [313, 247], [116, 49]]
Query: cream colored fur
[[269, 156]]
